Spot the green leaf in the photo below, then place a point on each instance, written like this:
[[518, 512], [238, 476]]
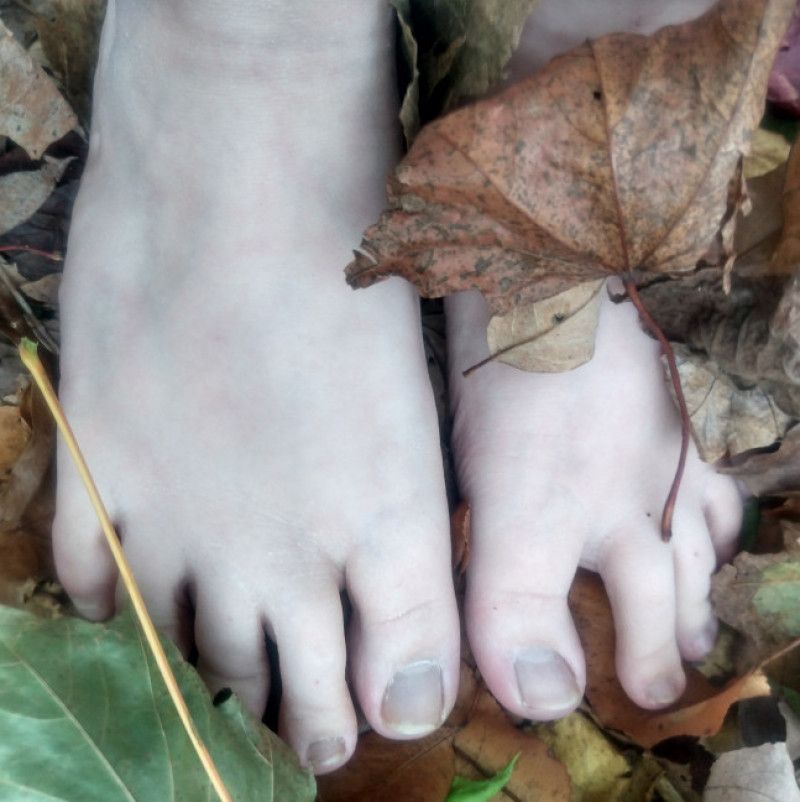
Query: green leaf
[[777, 601], [85, 716], [463, 47], [463, 790]]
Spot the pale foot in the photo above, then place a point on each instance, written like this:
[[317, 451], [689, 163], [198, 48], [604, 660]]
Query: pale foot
[[263, 435], [572, 469]]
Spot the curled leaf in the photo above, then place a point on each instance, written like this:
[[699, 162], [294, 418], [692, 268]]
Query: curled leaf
[[617, 156]]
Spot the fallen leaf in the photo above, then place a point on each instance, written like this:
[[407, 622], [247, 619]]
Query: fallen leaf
[[787, 254], [23, 192], [726, 418], [597, 770], [549, 336], [69, 34], [768, 150], [32, 111], [14, 436], [700, 711], [84, 715], [489, 740], [759, 595], [784, 80], [617, 156], [773, 472], [758, 774]]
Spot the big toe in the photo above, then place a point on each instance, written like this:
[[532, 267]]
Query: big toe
[[520, 628], [405, 634]]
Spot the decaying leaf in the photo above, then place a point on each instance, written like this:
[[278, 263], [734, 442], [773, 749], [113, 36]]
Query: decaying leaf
[[599, 773], [69, 33], [32, 111], [700, 711], [759, 595], [771, 472], [551, 335], [726, 419], [759, 774], [616, 157], [768, 150], [23, 192], [488, 739], [84, 716], [787, 254]]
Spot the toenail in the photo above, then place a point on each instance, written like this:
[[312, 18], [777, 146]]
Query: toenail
[[546, 682], [665, 690], [414, 700], [327, 753], [704, 642]]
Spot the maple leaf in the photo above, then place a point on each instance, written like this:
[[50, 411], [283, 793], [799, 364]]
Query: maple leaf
[[617, 157]]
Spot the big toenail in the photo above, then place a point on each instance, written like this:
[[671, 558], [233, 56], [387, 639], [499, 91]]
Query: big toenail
[[664, 691], [325, 754], [414, 700], [546, 682]]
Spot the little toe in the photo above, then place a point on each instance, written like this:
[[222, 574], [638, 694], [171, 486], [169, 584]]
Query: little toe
[[520, 628], [637, 569], [317, 716], [404, 636], [83, 560], [694, 561], [724, 510], [231, 645]]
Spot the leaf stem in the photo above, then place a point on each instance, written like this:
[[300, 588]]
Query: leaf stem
[[30, 358], [52, 255], [666, 349]]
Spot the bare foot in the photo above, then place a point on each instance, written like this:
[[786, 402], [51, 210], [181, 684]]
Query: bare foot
[[573, 469], [263, 435]]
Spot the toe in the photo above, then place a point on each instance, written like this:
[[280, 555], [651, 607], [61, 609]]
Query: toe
[[638, 572], [231, 645], [520, 628], [83, 561], [694, 560], [317, 716], [724, 509], [405, 634]]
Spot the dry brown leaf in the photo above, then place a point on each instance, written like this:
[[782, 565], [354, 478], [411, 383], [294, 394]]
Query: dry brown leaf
[[69, 35], [14, 436], [726, 418], [32, 111], [24, 191], [787, 255], [617, 156], [773, 473], [700, 711], [489, 741], [549, 336]]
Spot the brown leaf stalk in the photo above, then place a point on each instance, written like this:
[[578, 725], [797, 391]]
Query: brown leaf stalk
[[666, 349], [30, 358]]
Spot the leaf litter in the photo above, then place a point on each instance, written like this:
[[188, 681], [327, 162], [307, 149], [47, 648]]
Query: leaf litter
[[609, 750]]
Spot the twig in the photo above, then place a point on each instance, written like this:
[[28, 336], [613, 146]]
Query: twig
[[666, 350], [27, 352]]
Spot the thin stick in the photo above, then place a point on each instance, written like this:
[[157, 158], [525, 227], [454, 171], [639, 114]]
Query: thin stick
[[666, 349], [27, 352]]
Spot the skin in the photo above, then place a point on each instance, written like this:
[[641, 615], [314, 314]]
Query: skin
[[265, 437]]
